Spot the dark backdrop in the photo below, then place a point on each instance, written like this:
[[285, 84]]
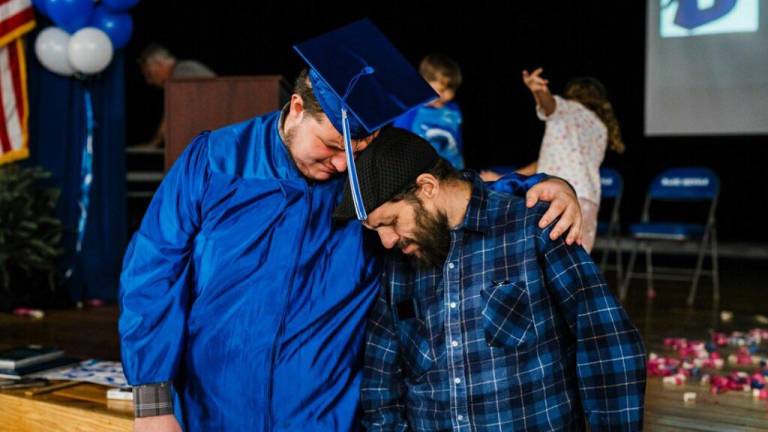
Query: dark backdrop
[[493, 42]]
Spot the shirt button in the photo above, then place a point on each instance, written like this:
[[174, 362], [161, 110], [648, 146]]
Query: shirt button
[[460, 417], [457, 380], [451, 265], [453, 305], [454, 343]]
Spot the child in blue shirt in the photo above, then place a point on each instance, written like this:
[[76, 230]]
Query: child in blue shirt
[[439, 122]]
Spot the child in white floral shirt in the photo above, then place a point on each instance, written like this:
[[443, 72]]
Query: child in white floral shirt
[[580, 125]]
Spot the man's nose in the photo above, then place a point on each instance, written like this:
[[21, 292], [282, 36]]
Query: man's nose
[[388, 238], [339, 161]]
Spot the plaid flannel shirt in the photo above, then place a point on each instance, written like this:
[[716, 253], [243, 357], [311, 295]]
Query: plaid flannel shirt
[[515, 332]]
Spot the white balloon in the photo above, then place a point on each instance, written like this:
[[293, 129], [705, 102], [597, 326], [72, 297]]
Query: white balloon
[[90, 50], [52, 49]]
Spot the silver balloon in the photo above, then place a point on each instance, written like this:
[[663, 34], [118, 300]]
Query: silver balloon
[[90, 50], [52, 49]]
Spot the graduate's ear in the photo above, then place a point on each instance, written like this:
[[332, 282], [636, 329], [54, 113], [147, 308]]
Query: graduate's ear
[[297, 107]]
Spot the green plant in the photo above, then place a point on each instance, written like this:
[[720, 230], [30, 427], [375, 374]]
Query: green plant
[[29, 233]]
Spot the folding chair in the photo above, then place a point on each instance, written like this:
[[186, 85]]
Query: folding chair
[[683, 186], [611, 189]]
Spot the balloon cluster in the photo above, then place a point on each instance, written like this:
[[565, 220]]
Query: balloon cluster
[[87, 33]]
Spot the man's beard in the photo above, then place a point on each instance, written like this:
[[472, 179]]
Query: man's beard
[[289, 136], [432, 235]]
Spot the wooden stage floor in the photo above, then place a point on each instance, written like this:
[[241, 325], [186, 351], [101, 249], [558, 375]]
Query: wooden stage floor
[[93, 333]]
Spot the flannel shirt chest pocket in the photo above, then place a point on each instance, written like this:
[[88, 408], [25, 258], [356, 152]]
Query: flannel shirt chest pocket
[[507, 318], [413, 318]]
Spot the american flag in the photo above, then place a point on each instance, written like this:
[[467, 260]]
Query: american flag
[[16, 18]]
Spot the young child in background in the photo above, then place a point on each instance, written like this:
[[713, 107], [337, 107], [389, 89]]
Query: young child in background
[[580, 125], [439, 122]]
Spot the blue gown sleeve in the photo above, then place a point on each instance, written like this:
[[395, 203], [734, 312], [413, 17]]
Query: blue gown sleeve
[[154, 284], [516, 184]]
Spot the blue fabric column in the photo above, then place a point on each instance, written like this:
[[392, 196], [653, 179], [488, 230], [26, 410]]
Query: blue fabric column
[[57, 136]]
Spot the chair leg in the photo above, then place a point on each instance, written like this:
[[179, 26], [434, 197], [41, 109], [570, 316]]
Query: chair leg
[[650, 291], [604, 259], [715, 268], [697, 273], [628, 275]]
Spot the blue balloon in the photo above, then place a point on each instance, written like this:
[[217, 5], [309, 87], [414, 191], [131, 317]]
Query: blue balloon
[[40, 6], [71, 15], [118, 26], [119, 5]]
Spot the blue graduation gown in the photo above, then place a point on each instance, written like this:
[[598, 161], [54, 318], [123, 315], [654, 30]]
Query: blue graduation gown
[[240, 289]]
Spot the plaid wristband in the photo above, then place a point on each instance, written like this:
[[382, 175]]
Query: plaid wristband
[[152, 400]]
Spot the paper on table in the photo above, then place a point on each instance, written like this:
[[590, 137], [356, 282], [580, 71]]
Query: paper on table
[[108, 373]]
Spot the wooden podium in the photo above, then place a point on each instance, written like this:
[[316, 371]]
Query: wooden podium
[[198, 104]]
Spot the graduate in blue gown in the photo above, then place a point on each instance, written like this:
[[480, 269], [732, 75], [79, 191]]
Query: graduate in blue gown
[[243, 305]]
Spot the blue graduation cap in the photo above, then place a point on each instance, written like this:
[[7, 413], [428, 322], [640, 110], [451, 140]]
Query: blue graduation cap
[[362, 82]]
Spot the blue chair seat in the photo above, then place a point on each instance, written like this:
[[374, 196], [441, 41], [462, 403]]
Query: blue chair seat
[[666, 231]]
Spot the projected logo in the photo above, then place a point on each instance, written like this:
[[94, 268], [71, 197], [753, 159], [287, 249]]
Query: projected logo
[[682, 18]]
